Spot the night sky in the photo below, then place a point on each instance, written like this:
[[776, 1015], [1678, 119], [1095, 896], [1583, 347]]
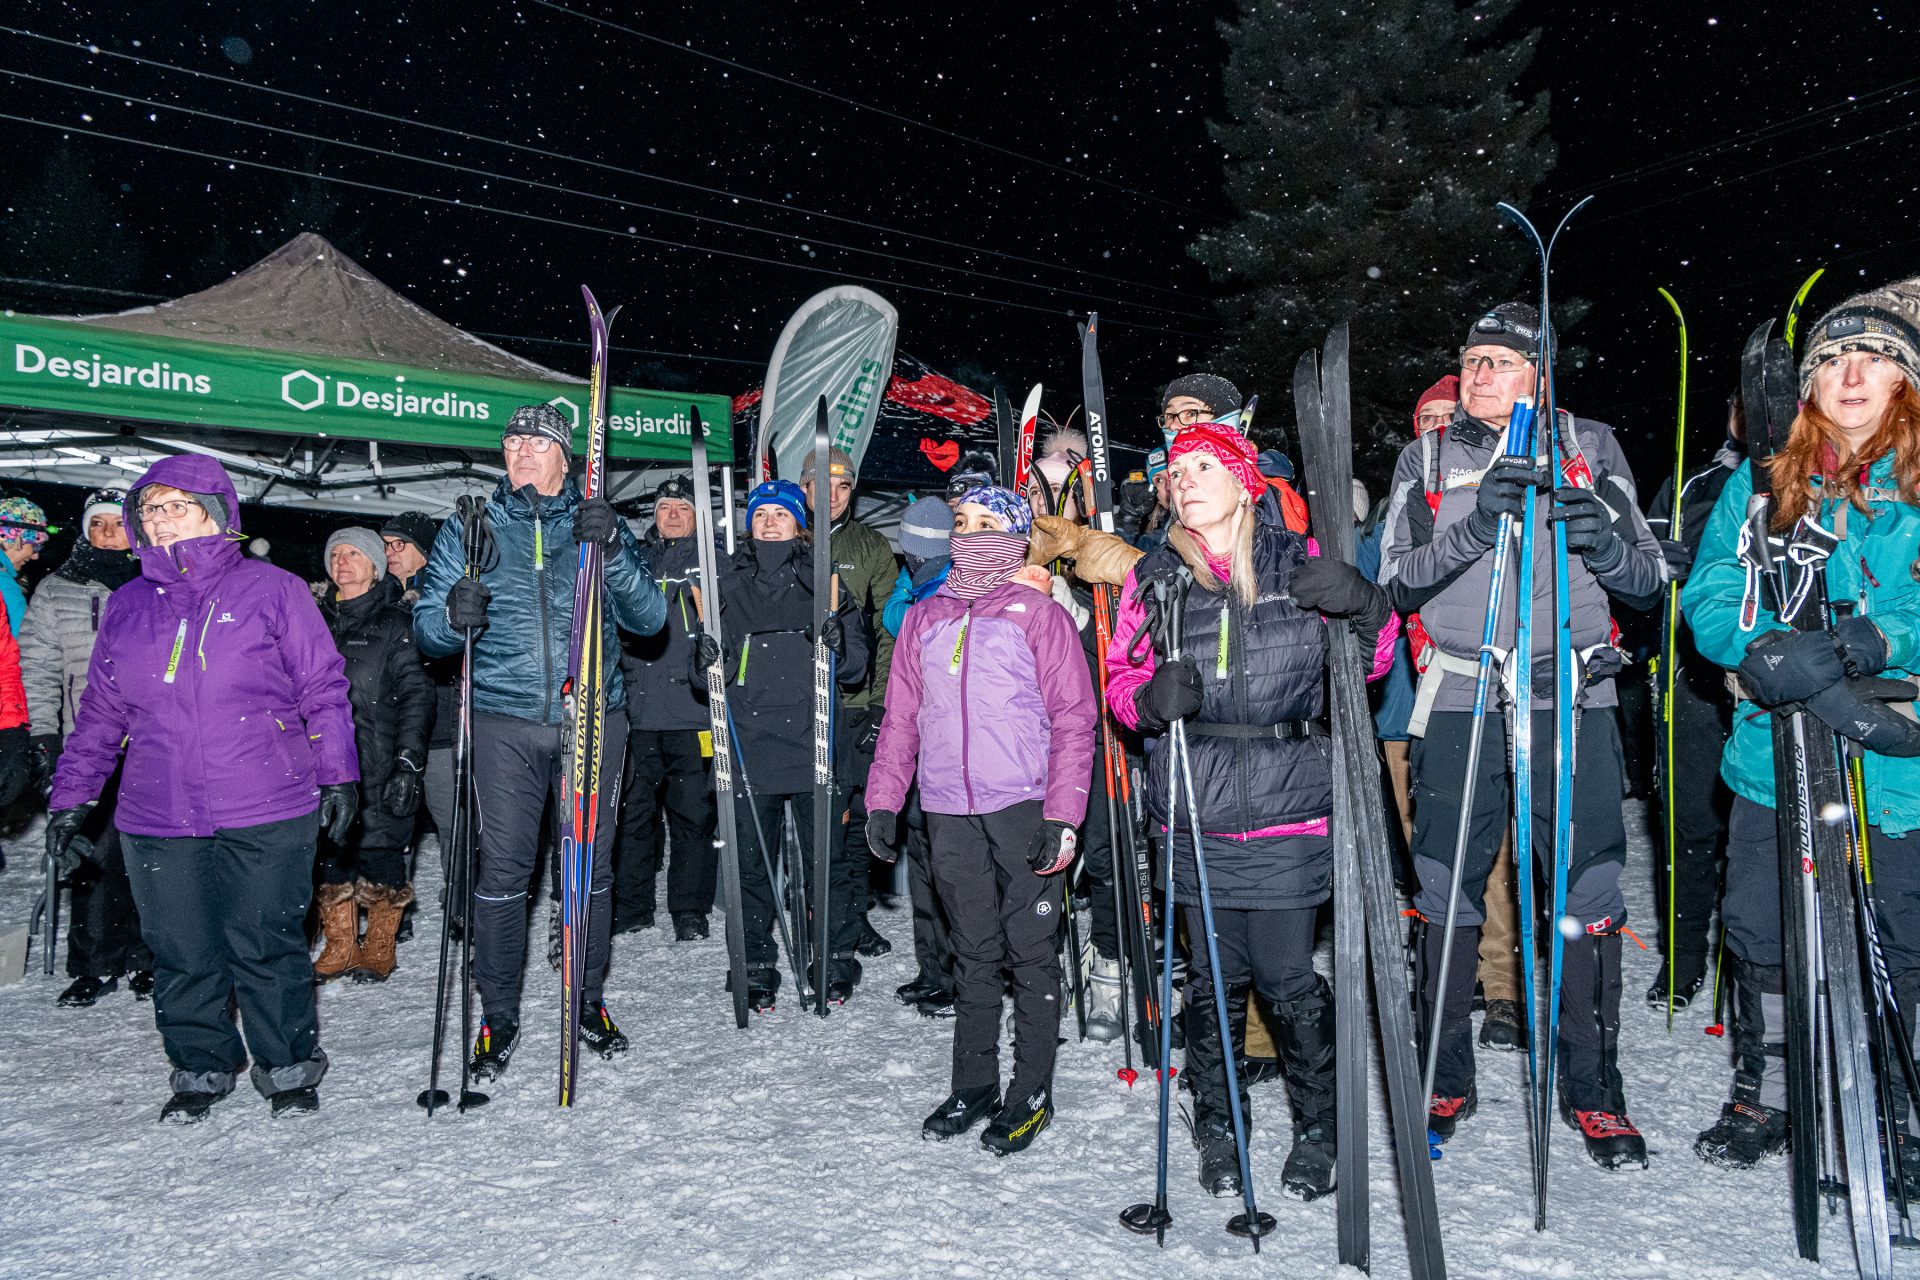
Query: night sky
[[1815, 106]]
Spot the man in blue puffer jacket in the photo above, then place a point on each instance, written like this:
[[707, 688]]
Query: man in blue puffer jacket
[[520, 661]]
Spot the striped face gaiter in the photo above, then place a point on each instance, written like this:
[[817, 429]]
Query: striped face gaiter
[[982, 561]]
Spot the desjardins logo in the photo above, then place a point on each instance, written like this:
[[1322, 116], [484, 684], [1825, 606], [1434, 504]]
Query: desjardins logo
[[307, 390], [95, 370]]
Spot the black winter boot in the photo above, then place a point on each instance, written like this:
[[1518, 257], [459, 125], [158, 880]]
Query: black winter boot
[[1454, 1098], [963, 1109], [1206, 1077], [1304, 1039], [1753, 1124], [1592, 1098]]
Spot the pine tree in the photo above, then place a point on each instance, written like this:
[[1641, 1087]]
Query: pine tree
[[1368, 143]]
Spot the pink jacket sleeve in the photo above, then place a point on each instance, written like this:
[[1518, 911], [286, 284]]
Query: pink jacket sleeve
[[1125, 675]]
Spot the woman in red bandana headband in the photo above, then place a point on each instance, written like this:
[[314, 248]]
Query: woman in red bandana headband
[[1249, 687]]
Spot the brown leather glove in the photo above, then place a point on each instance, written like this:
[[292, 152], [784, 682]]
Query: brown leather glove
[[1104, 557], [1054, 538]]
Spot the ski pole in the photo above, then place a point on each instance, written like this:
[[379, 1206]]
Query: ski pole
[[1670, 653], [1253, 1224], [1154, 1219]]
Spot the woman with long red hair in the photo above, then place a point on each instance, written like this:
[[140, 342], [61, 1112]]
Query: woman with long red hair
[[1851, 465]]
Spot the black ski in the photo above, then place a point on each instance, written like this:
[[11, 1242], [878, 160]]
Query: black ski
[[726, 833], [1366, 915], [823, 680], [1006, 434], [1132, 877]]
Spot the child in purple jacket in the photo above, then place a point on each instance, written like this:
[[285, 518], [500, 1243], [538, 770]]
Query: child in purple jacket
[[989, 687]]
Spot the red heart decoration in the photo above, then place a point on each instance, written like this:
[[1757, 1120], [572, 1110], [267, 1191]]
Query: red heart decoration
[[942, 453]]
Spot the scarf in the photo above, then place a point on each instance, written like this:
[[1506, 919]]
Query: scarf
[[982, 561]]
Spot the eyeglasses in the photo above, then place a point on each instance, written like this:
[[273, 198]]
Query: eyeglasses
[[526, 444], [1499, 364], [173, 509], [1184, 418], [1434, 419]]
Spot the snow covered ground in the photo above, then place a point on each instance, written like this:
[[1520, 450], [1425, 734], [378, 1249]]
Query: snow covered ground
[[791, 1149]]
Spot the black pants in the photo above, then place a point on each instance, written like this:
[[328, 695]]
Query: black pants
[[932, 948], [225, 915], [664, 762], [375, 849], [104, 939], [1439, 763], [1270, 952], [517, 769], [846, 893], [862, 735], [1097, 855], [1702, 719], [1003, 920]]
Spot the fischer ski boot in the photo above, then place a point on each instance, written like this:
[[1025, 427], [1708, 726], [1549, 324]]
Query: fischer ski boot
[[1019, 1122], [493, 1048], [597, 1031], [963, 1109], [1103, 1000], [1444, 1114], [1745, 1134]]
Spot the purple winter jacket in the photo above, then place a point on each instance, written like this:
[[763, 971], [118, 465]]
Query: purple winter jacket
[[217, 676], [995, 699]]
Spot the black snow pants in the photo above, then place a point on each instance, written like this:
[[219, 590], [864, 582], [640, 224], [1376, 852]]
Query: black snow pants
[[226, 917], [846, 891], [664, 761]]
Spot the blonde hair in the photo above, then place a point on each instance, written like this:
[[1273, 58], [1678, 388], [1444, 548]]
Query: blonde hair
[[1240, 575]]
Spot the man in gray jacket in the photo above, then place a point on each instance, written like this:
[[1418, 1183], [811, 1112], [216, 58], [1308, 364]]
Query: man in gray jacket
[[1437, 562], [56, 644]]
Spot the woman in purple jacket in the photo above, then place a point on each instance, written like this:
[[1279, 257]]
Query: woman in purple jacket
[[988, 681], [217, 677]]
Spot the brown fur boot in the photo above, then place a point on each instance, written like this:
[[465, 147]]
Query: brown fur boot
[[340, 925], [384, 904]]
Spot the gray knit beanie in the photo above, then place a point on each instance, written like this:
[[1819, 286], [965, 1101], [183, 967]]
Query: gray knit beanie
[[363, 540], [1885, 321]]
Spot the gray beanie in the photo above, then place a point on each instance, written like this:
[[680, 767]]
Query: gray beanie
[[1885, 322], [925, 529], [361, 539]]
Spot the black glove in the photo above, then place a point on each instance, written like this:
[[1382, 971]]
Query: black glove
[[1589, 528], [1863, 649], [833, 633], [1790, 666], [595, 520], [705, 654], [66, 847], [16, 766], [1172, 694], [339, 802], [1503, 490], [883, 839], [1679, 559], [467, 604], [43, 753], [401, 795], [1858, 709], [1052, 849], [1335, 589]]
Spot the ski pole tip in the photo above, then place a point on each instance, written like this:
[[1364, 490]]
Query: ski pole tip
[[1127, 1076]]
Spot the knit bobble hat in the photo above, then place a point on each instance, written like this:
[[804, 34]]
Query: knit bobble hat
[[1885, 321]]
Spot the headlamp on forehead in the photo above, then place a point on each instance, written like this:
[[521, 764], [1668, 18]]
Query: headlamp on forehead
[[1846, 326]]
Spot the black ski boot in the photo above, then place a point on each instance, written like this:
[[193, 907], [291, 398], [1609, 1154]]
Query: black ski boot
[[295, 1103], [963, 1109], [843, 975], [597, 1031], [1219, 1157], [1501, 1027], [141, 984], [188, 1106], [1745, 1134], [1303, 1037], [1689, 976], [1592, 1097], [1454, 1095], [762, 984], [690, 926], [1019, 1122], [871, 942], [493, 1048]]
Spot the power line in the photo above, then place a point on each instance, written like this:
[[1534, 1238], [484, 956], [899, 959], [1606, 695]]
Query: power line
[[861, 106], [803, 240], [1754, 136], [549, 154], [579, 226]]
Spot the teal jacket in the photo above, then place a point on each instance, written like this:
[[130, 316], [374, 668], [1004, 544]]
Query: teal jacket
[[1874, 569]]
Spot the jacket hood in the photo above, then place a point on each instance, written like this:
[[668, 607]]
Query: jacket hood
[[189, 473]]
